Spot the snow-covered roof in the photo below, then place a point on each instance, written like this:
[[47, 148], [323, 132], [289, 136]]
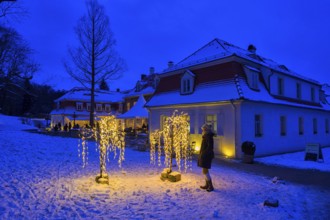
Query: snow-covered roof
[[137, 111], [220, 91], [82, 94], [147, 90], [218, 49]]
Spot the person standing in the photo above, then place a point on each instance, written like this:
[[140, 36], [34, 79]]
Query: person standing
[[206, 156]]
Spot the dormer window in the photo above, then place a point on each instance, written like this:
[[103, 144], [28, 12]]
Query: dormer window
[[280, 86], [252, 76], [187, 82]]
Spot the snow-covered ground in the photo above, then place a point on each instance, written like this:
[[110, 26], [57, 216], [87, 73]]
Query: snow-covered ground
[[42, 178]]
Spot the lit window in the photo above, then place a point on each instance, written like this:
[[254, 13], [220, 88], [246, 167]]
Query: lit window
[[283, 125], [128, 106], [301, 125], [257, 126], [212, 120], [79, 106], [314, 126], [298, 88], [280, 86]]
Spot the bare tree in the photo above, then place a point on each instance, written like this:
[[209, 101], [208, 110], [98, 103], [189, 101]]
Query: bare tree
[[12, 9], [95, 58], [16, 65]]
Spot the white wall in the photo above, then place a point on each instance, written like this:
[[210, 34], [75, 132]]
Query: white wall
[[271, 141], [224, 142], [290, 87]]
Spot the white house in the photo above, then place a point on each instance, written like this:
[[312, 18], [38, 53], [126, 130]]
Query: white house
[[245, 97], [74, 107]]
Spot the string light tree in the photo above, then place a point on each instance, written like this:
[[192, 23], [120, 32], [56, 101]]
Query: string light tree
[[109, 136], [175, 136]]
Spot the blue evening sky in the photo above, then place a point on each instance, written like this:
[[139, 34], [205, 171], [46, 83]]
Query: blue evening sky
[[295, 33]]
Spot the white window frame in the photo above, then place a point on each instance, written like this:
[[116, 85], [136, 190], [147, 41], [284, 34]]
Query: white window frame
[[298, 90], [98, 107], [314, 125], [280, 86], [258, 125], [313, 94], [211, 119], [79, 106], [301, 125], [187, 82], [107, 107], [283, 127]]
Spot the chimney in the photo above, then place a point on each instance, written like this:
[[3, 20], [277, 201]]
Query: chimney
[[252, 48], [170, 64], [151, 70]]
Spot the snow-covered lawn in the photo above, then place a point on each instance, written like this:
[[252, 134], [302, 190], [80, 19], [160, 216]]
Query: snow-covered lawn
[[42, 178]]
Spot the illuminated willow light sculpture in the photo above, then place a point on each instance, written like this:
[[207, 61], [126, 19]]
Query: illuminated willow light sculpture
[[175, 135], [109, 136]]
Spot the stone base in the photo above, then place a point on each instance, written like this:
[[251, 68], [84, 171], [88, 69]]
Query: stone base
[[174, 176], [104, 179], [171, 176]]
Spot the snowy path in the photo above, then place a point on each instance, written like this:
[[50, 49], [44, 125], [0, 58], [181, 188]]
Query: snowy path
[[42, 178]]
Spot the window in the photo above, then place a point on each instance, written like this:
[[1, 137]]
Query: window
[[301, 125], [312, 94], [280, 86], [314, 126], [212, 120], [89, 107], [79, 106], [187, 82], [107, 108], [255, 79], [327, 126], [128, 106], [162, 121], [298, 88], [257, 126], [120, 107], [99, 107], [283, 125]]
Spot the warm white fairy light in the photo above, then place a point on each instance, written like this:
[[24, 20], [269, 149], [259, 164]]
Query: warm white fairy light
[[109, 136], [175, 136]]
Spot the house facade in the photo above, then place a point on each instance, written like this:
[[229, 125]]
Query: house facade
[[245, 97], [144, 87], [74, 107]]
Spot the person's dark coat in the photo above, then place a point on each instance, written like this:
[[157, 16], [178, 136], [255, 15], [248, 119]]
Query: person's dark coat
[[206, 153]]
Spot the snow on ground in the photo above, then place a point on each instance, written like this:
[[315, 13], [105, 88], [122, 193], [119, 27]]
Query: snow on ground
[[296, 160], [42, 178]]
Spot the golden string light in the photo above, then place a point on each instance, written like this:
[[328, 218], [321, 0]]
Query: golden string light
[[109, 136], [175, 137]]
